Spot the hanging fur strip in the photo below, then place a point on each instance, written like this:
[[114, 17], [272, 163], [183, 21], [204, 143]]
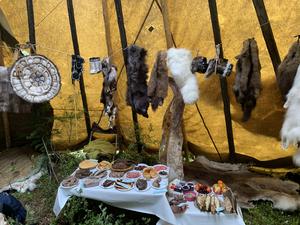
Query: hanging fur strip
[[137, 88], [179, 61], [288, 68], [247, 84], [108, 90], [158, 83], [290, 131]]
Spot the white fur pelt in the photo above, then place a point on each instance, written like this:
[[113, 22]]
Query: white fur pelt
[[290, 131], [179, 61], [28, 184]]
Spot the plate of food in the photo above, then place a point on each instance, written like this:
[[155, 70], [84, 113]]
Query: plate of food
[[140, 166], [202, 188], [91, 182], [100, 174], [82, 173], [107, 183], [158, 183], [116, 175], [133, 174], [88, 164], [104, 165], [69, 182], [122, 165], [142, 185], [163, 173], [160, 167], [124, 184], [149, 173]]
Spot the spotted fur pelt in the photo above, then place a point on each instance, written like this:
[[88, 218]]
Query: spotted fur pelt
[[247, 84], [158, 83], [179, 61], [288, 68], [290, 131], [109, 88], [137, 88]]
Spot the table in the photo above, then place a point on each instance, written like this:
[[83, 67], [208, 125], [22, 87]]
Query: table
[[151, 201]]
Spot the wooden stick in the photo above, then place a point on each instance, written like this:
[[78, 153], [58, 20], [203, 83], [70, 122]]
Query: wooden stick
[[165, 15], [266, 29], [31, 29], [107, 29], [223, 81], [122, 31], [77, 52]]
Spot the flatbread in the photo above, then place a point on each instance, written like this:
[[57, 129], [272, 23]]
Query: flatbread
[[87, 164]]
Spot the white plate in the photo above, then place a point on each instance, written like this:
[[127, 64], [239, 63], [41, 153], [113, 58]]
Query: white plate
[[148, 187], [127, 189], [133, 171], [166, 168], [109, 187], [163, 185], [70, 187]]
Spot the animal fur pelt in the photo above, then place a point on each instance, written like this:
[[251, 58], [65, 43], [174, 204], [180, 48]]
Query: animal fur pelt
[[290, 131], [288, 68], [137, 96], [247, 84], [109, 88], [158, 83], [247, 186], [179, 61]]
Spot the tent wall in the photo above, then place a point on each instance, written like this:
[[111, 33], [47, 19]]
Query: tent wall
[[191, 27]]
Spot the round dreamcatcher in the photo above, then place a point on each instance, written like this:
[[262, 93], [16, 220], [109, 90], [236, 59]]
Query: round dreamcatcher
[[35, 78]]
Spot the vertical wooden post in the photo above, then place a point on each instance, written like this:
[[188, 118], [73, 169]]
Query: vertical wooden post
[[223, 81], [266, 29], [5, 114], [122, 31], [77, 52], [107, 29], [30, 18]]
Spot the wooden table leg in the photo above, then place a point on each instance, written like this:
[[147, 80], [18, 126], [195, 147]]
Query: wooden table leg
[[6, 129]]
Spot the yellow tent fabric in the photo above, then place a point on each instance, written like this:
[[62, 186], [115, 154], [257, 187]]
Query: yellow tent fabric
[[191, 26]]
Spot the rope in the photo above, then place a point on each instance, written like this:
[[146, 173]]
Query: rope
[[51, 11]]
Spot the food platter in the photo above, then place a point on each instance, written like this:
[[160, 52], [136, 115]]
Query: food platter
[[88, 164], [69, 182]]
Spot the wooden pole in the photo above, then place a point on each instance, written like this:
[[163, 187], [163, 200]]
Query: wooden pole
[[223, 82], [163, 6], [77, 52], [30, 17], [266, 29], [107, 29], [122, 31], [5, 114]]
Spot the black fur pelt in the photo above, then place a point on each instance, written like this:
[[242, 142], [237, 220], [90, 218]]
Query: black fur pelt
[[247, 84], [158, 83], [137, 88], [287, 69]]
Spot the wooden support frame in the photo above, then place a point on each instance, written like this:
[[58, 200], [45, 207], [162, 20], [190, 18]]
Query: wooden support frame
[[223, 82], [122, 31], [77, 52], [267, 32], [31, 29]]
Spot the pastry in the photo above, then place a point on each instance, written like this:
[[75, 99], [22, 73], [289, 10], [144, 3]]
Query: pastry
[[87, 164], [104, 165], [141, 184], [149, 173]]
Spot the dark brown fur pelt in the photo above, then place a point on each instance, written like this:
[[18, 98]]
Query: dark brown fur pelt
[[137, 88], [247, 84], [287, 69], [158, 83]]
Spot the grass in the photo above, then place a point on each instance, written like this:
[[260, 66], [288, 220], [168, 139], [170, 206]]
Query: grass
[[39, 204]]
